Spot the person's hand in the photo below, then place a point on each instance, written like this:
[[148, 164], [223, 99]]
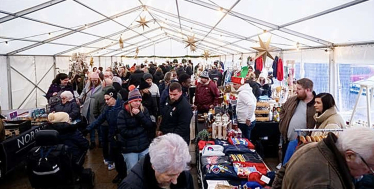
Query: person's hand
[[135, 111], [248, 122], [211, 106], [158, 133], [54, 94]]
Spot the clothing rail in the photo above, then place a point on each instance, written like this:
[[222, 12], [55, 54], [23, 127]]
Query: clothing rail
[[317, 130]]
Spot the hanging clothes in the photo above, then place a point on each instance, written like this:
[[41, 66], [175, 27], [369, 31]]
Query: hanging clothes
[[259, 64], [280, 75], [275, 66]]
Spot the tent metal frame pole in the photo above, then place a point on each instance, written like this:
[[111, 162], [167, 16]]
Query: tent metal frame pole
[[142, 46], [213, 49], [110, 18], [96, 40], [198, 33], [9, 77], [72, 30], [142, 41], [146, 8], [160, 41], [201, 24], [30, 10], [179, 19], [263, 23], [332, 73], [133, 37], [205, 41], [54, 65], [219, 21], [52, 43]]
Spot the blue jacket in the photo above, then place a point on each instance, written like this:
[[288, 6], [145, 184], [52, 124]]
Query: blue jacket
[[109, 114], [70, 107], [133, 137]]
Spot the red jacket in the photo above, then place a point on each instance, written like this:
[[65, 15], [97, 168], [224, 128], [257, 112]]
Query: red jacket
[[205, 96]]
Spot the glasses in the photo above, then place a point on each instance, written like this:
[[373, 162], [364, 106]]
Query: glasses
[[106, 99], [363, 160]]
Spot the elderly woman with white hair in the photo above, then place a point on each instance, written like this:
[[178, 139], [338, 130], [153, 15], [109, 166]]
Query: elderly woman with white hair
[[68, 105], [166, 166]]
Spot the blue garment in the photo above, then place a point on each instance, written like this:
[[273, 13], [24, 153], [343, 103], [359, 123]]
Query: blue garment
[[132, 158], [246, 131], [275, 66], [290, 151], [236, 149]]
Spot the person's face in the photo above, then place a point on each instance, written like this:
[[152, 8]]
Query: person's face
[[95, 82], [107, 76], [110, 101], [149, 81], [165, 179], [204, 80], [300, 92], [262, 80], [357, 166], [318, 105], [236, 86], [136, 103], [175, 95], [94, 69], [64, 81], [64, 99], [187, 83]]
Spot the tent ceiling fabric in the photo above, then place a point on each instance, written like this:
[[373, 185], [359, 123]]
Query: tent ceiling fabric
[[62, 27]]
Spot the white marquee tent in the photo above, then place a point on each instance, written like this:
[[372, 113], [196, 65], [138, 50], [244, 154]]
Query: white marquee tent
[[330, 41]]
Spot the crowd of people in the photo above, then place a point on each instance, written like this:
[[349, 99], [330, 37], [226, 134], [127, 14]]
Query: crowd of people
[[131, 106]]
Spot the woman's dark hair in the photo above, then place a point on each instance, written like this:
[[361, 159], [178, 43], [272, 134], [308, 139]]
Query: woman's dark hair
[[327, 100], [59, 77]]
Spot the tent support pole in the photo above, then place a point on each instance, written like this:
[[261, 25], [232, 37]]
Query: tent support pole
[[54, 65], [10, 103], [333, 73]]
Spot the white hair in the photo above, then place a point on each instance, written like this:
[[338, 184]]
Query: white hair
[[68, 95], [169, 153], [357, 139]]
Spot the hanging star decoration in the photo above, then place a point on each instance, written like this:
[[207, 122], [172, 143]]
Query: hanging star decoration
[[206, 54], [120, 42], [91, 61], [193, 49], [136, 52], [264, 49], [191, 42], [143, 22]]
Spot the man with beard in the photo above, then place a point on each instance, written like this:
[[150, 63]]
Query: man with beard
[[176, 114], [297, 112]]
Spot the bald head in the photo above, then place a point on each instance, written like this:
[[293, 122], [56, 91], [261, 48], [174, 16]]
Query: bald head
[[107, 82]]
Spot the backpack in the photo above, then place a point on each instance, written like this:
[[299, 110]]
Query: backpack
[[49, 166], [54, 100]]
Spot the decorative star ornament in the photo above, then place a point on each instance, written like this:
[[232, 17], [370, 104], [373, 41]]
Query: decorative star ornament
[[193, 49], [120, 42], [143, 22], [206, 54], [264, 49], [136, 52], [191, 42]]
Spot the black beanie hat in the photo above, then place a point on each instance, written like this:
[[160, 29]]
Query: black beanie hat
[[111, 92], [143, 85]]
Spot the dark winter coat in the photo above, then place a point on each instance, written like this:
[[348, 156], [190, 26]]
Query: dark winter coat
[[150, 103], [189, 70], [133, 130], [176, 118], [255, 88], [162, 86], [165, 95], [315, 165], [136, 77], [214, 73], [206, 95], [57, 88], [152, 69], [180, 71], [142, 176], [122, 91], [70, 136], [265, 90], [70, 107], [110, 115], [157, 77]]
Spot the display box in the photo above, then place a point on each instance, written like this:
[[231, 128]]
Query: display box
[[21, 125]]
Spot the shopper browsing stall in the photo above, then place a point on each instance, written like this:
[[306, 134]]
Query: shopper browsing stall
[[246, 106], [207, 93], [330, 163], [164, 167]]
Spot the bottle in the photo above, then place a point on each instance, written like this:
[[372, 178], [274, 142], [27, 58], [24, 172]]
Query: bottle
[[214, 130], [219, 126], [270, 115], [224, 131]]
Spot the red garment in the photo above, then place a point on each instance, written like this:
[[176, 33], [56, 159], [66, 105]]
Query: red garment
[[259, 166], [280, 75], [256, 177], [206, 95], [241, 141], [259, 63], [203, 143]]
